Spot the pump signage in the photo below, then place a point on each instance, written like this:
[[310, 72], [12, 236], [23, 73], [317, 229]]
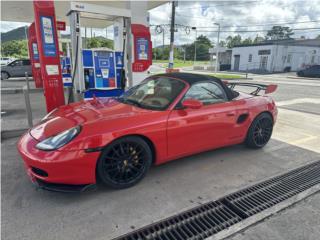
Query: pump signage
[[49, 46], [61, 26], [142, 48], [35, 51], [34, 56], [49, 59]]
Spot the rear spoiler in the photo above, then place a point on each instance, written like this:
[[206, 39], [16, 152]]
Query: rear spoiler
[[270, 88]]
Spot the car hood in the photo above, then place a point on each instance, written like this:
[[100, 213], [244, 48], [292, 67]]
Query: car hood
[[83, 113]]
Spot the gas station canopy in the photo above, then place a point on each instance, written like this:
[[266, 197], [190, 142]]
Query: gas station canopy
[[22, 11]]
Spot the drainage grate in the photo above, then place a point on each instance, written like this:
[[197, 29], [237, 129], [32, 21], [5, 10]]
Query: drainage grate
[[205, 220]]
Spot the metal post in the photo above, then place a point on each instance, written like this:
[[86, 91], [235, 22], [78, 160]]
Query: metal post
[[172, 34], [26, 90], [26, 35], [195, 48], [217, 52], [128, 52], [162, 40], [85, 37]]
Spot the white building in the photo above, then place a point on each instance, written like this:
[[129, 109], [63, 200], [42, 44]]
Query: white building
[[276, 56]]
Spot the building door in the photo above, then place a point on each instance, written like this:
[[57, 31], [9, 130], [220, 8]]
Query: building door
[[263, 63], [236, 62]]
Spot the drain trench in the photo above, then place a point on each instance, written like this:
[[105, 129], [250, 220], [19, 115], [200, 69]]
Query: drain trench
[[210, 218]]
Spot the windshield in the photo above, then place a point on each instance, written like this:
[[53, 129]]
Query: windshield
[[153, 93]]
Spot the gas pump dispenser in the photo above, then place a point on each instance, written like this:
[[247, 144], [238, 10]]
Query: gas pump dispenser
[[34, 56], [102, 72]]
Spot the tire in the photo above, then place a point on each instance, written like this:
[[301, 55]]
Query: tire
[[260, 131], [124, 162], [301, 74], [4, 75]]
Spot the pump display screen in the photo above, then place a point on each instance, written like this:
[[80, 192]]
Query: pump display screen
[[104, 63]]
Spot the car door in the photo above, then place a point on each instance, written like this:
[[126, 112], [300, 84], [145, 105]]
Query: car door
[[27, 67], [194, 130], [16, 68]]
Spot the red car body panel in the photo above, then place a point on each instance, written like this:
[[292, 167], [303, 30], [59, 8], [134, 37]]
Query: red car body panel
[[172, 133]]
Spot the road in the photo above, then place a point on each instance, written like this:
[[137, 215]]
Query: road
[[171, 188]]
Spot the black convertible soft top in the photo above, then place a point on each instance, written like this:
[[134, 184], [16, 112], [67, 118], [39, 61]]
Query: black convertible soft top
[[193, 78]]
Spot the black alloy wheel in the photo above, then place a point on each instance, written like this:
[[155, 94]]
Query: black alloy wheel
[[260, 131], [124, 162]]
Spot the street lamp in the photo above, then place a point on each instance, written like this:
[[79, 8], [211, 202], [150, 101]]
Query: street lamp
[[217, 51], [195, 47]]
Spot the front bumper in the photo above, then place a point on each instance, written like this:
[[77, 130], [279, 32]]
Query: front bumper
[[74, 167]]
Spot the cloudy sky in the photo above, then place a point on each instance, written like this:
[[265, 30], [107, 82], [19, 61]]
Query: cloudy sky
[[246, 15], [248, 18]]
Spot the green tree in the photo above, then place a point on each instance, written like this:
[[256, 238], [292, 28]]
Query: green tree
[[233, 41], [279, 32], [222, 43], [15, 48], [247, 41], [202, 44], [258, 39], [97, 42]]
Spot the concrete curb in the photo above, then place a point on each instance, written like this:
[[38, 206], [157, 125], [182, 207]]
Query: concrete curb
[[241, 226], [303, 78], [7, 134], [19, 90]]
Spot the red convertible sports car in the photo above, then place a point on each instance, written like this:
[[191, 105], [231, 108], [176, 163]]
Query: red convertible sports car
[[165, 117]]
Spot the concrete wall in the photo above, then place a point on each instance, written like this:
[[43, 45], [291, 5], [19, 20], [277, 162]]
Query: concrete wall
[[280, 57]]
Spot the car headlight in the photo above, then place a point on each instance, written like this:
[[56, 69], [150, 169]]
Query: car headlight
[[57, 141]]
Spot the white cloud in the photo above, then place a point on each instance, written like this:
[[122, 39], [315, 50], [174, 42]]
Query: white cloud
[[233, 15]]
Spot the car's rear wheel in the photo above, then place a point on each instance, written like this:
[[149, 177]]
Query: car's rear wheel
[[4, 75], [124, 162], [260, 131]]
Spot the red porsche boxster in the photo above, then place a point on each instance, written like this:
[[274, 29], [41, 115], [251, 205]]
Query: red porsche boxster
[[165, 117]]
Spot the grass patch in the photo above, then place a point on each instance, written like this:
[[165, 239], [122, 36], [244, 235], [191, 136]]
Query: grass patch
[[179, 63]]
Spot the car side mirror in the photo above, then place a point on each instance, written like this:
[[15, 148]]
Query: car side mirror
[[192, 103]]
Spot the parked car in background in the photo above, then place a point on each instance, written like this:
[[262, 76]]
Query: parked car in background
[[17, 68], [5, 60], [312, 71]]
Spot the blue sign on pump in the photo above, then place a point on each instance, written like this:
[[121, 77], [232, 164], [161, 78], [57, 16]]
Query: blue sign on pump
[[35, 51], [47, 33], [142, 48]]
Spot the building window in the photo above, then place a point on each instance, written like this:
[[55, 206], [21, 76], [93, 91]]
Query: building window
[[250, 58], [289, 58]]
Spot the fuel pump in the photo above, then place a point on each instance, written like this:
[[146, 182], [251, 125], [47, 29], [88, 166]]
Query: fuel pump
[[66, 71], [102, 72], [34, 56]]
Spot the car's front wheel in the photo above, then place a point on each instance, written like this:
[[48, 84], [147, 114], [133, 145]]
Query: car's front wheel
[[260, 131], [124, 162], [4, 75]]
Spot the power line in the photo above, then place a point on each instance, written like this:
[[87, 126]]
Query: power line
[[269, 24], [219, 5], [262, 30]]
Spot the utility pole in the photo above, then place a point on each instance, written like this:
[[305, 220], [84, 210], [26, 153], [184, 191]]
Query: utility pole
[[172, 34], [195, 46], [162, 40], [217, 52]]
